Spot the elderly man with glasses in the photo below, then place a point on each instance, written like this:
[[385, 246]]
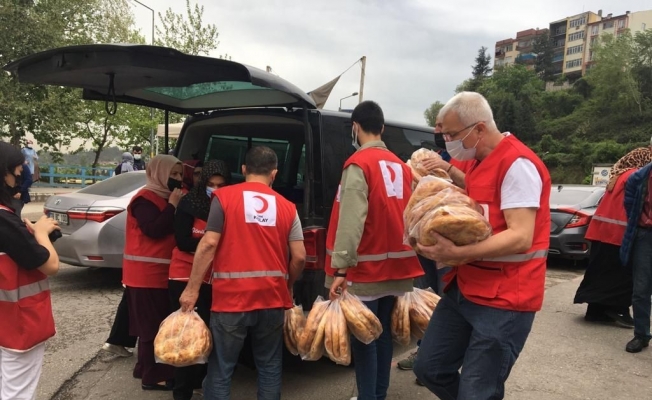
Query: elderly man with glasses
[[496, 286]]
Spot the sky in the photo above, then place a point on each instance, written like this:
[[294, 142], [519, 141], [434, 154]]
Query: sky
[[417, 51]]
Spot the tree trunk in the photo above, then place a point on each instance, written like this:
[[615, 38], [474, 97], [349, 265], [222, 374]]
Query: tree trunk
[[14, 135]]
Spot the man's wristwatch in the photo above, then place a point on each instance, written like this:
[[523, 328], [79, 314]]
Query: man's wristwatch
[[339, 274]]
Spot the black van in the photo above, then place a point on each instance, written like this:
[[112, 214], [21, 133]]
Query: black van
[[231, 107]]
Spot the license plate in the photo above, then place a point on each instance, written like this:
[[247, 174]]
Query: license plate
[[62, 219]]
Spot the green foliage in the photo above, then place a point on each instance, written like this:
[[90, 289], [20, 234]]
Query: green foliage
[[544, 51], [187, 33], [431, 113]]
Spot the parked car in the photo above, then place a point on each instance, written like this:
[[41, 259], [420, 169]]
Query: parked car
[[231, 108], [93, 221], [571, 209]]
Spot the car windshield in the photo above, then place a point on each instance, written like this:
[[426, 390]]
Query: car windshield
[[569, 196], [118, 185]]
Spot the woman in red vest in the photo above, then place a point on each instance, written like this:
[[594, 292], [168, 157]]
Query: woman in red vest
[[27, 258], [607, 284], [190, 226], [148, 249]]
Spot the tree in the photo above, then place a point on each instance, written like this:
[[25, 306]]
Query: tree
[[431, 113], [481, 69], [187, 34], [544, 52]]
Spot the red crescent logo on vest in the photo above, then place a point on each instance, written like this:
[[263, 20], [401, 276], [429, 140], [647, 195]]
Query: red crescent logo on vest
[[265, 204], [392, 175]]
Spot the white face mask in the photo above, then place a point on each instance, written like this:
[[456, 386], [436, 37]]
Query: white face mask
[[209, 191], [137, 156], [354, 139], [455, 148]]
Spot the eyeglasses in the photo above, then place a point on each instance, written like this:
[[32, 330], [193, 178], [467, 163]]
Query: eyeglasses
[[450, 136]]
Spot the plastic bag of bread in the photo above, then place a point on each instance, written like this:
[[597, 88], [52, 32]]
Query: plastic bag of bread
[[415, 162], [401, 321], [420, 311], [337, 339], [458, 223], [429, 186], [183, 339], [311, 341], [362, 323], [293, 327]]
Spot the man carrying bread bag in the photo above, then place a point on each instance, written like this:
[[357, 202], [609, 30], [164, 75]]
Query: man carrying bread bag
[[254, 242], [365, 250], [483, 320]]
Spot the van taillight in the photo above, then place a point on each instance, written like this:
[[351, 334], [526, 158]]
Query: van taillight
[[315, 241], [97, 214]]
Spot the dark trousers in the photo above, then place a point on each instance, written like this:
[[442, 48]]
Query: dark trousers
[[229, 332], [119, 335], [373, 361], [642, 273], [484, 341], [186, 379]]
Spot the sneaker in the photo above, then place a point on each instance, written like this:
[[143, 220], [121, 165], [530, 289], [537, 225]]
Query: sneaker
[[622, 320], [408, 363], [117, 350]]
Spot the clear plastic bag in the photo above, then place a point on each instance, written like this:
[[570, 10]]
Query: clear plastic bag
[[293, 327], [401, 321], [419, 312], [418, 157], [183, 339], [460, 224], [337, 338], [311, 343], [429, 186], [362, 323]]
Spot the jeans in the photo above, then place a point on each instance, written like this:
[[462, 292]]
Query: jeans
[[229, 332], [433, 277], [642, 276], [373, 361], [484, 341]]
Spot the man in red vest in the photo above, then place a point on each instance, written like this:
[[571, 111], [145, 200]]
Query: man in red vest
[[365, 250], [251, 233], [482, 322]]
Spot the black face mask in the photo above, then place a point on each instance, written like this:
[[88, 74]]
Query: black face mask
[[174, 184], [440, 141]]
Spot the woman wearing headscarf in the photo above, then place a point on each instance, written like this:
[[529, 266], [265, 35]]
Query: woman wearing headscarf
[[127, 164], [191, 172], [607, 284], [27, 258], [190, 224], [148, 249]]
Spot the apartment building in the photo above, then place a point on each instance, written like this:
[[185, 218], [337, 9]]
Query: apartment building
[[509, 51], [569, 38]]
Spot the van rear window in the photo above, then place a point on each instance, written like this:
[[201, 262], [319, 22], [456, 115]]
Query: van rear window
[[202, 89]]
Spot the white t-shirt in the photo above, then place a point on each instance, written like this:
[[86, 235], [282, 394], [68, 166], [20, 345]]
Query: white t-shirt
[[521, 187]]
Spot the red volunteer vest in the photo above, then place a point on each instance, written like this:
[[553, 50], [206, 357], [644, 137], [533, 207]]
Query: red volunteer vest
[[382, 256], [513, 282], [181, 263], [250, 268], [25, 305], [146, 261], [610, 220], [463, 166]]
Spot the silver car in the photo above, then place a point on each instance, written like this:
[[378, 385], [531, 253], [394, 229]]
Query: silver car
[[93, 221]]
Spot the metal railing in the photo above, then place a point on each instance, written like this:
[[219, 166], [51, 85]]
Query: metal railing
[[72, 176]]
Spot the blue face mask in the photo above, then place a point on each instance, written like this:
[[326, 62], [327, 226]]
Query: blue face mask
[[209, 191]]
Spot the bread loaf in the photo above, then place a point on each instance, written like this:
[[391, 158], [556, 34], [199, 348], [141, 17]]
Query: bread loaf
[[317, 346], [336, 342], [312, 326], [362, 323], [418, 157], [293, 327], [429, 186], [401, 321], [462, 225], [183, 339]]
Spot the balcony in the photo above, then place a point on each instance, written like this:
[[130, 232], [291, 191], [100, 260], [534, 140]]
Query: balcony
[[558, 58]]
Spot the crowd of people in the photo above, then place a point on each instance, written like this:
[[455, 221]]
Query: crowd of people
[[188, 228]]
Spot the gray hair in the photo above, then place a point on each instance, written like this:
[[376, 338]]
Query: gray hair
[[470, 107]]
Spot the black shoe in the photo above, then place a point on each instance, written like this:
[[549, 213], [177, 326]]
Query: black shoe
[[636, 345], [419, 382], [169, 385], [622, 320], [597, 317]]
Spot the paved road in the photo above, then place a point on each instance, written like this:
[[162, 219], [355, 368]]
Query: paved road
[[84, 302]]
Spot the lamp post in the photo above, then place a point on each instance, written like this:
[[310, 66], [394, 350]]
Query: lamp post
[[151, 110], [352, 94]]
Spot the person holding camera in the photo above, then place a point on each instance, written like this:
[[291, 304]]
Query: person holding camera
[[27, 258]]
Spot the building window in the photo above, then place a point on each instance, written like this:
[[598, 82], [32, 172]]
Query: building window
[[576, 36], [594, 41], [575, 49], [578, 22], [560, 43], [560, 31], [621, 24], [595, 29], [509, 48], [590, 55], [608, 25], [574, 63], [643, 26]]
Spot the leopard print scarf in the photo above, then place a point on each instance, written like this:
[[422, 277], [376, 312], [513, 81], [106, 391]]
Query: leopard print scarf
[[637, 158]]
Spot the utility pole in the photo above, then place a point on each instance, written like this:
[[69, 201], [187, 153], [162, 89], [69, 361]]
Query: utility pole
[[362, 72], [152, 136]]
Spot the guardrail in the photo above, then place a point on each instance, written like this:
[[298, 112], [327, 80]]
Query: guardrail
[[72, 176]]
